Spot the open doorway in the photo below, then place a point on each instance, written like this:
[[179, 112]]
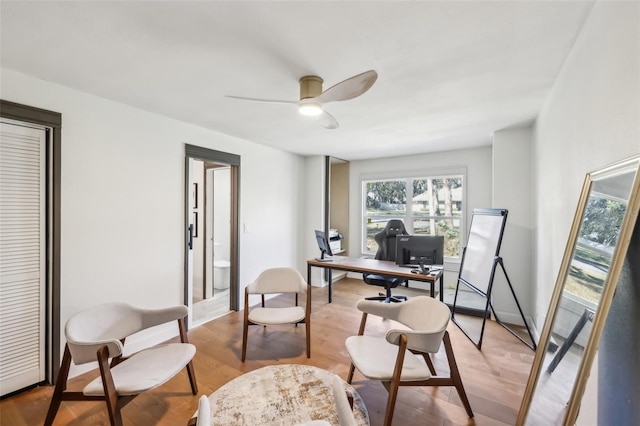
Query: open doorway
[[211, 240], [211, 261]]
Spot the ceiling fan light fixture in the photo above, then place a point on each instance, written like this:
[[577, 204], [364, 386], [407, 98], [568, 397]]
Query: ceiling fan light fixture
[[312, 98], [310, 109]]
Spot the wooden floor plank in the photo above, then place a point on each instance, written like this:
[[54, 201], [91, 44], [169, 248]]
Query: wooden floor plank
[[494, 378]]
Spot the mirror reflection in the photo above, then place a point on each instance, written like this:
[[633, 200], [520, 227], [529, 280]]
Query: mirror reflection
[[582, 289]]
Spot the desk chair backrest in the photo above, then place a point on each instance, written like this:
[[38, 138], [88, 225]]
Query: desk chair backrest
[[98, 334], [109, 324], [278, 280], [386, 239]]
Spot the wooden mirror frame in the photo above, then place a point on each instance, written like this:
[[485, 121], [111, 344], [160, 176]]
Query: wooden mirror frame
[[608, 289]]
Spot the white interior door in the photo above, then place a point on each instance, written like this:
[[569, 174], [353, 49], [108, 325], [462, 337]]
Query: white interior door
[[22, 256]]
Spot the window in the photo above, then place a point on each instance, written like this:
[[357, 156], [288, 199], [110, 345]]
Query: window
[[431, 205]]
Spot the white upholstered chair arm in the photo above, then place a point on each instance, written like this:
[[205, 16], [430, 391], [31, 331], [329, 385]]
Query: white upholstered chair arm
[[417, 339], [204, 412], [108, 324], [344, 409], [153, 317], [83, 352], [418, 313], [384, 310]]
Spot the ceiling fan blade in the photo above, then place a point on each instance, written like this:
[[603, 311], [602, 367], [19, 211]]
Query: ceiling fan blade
[[327, 121], [271, 101], [349, 88]]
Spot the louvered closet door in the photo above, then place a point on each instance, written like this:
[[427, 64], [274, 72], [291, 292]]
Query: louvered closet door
[[22, 256]]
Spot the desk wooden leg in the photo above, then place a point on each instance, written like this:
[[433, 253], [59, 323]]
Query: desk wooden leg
[[330, 285], [442, 287]]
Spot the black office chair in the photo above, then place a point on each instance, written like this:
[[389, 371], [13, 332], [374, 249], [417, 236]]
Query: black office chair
[[386, 240]]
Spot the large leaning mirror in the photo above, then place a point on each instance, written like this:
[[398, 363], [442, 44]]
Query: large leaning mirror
[[595, 251]]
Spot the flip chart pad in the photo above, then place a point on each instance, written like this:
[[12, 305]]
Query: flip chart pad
[[483, 245]]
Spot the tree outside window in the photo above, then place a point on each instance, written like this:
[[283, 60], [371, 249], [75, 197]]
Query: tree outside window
[[435, 207], [594, 250]]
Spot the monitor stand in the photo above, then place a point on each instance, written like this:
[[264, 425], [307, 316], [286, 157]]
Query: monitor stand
[[324, 259]]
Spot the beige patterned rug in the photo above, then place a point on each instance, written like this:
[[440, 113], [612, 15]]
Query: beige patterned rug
[[281, 395]]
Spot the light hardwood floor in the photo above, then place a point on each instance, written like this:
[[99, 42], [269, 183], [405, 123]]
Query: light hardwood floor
[[494, 378]]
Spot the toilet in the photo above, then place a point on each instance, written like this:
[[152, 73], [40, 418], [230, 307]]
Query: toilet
[[221, 274]]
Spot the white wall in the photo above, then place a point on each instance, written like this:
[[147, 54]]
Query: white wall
[[221, 213], [315, 172], [478, 185], [512, 191], [591, 119], [123, 199]]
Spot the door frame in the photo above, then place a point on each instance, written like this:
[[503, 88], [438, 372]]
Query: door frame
[[53, 120], [233, 160]]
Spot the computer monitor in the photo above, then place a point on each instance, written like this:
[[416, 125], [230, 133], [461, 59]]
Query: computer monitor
[[419, 249], [323, 245]]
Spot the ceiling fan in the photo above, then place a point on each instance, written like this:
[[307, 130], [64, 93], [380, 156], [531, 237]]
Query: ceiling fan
[[312, 98]]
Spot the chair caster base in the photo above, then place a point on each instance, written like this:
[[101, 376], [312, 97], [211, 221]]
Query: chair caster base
[[385, 299]]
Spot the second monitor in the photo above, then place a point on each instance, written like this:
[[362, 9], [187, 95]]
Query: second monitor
[[419, 249]]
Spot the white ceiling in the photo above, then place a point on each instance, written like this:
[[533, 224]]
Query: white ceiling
[[450, 73]]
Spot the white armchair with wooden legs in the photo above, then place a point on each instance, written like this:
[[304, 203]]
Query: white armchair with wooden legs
[[271, 281], [98, 334], [402, 357]]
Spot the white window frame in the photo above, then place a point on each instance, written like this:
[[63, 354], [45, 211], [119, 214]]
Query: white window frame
[[408, 216]]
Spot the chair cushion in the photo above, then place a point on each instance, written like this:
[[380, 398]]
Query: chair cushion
[[146, 369], [375, 358], [382, 280], [273, 316]]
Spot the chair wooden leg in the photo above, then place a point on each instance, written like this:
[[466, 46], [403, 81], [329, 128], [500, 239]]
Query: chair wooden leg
[[393, 385], [455, 374], [307, 311], [352, 370], [391, 403], [244, 340], [245, 325], [190, 370], [61, 385], [363, 323], [192, 378], [429, 362], [308, 332], [110, 393]]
